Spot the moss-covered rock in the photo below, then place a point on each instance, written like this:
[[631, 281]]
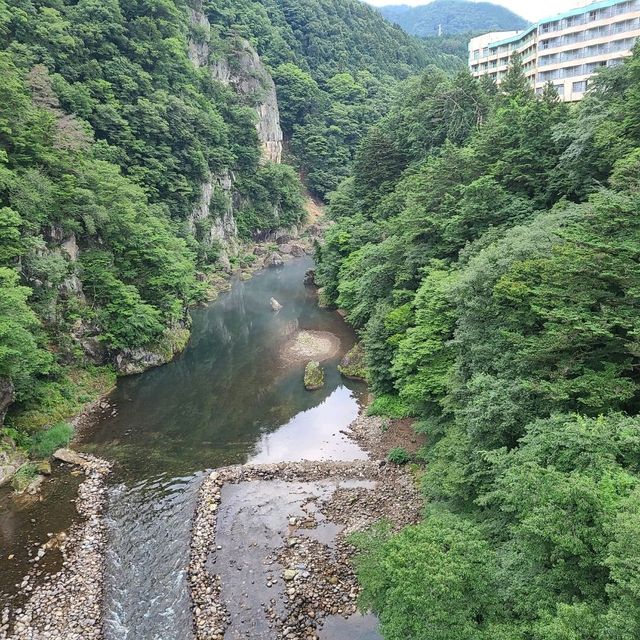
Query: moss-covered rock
[[172, 342], [24, 476], [353, 364], [313, 376]]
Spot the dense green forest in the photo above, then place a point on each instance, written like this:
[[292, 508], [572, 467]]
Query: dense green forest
[[453, 16], [336, 65], [109, 134], [487, 249]]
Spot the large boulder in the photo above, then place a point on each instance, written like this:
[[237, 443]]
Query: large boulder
[[132, 361], [297, 250], [70, 457], [273, 260], [310, 278], [353, 364], [172, 342], [313, 376]]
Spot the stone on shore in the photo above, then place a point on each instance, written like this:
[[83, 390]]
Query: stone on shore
[[44, 467], [313, 376], [310, 278], [70, 457], [273, 260]]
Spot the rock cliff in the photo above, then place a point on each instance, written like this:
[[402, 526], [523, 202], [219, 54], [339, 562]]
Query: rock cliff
[[213, 220], [242, 70]]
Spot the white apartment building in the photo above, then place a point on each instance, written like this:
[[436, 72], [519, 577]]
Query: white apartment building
[[565, 49]]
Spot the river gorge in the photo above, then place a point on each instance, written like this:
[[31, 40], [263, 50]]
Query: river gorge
[[230, 398]]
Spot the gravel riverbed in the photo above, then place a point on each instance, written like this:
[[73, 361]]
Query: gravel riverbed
[[309, 567], [306, 566], [68, 605]]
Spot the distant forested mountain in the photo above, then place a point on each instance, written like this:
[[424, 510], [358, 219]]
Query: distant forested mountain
[[454, 16], [336, 64]]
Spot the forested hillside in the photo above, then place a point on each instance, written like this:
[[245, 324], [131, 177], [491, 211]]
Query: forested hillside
[[140, 146], [453, 16], [487, 249], [336, 64]]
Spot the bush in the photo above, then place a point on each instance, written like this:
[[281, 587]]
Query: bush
[[43, 444], [432, 580], [398, 455], [390, 406]]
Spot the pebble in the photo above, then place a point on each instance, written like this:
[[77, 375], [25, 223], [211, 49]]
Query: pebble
[[68, 605]]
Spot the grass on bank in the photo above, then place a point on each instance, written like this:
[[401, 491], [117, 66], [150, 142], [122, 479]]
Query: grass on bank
[[387, 405], [44, 443], [60, 399]]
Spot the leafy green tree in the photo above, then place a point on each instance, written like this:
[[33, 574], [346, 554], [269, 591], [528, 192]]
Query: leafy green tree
[[21, 354], [432, 580]]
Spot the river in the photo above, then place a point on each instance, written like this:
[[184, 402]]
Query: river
[[228, 399]]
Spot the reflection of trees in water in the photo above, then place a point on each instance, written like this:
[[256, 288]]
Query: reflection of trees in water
[[229, 388]]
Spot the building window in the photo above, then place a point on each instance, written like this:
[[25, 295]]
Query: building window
[[580, 87], [560, 89]]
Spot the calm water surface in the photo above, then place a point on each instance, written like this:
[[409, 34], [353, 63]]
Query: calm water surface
[[227, 399]]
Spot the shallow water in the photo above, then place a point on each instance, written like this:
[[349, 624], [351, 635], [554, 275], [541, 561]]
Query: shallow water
[[228, 399], [252, 525]]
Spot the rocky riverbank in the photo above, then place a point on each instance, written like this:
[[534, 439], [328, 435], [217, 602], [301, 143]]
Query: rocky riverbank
[[67, 605], [310, 574]]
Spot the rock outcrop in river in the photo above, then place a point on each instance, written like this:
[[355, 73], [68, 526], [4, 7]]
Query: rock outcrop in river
[[313, 376]]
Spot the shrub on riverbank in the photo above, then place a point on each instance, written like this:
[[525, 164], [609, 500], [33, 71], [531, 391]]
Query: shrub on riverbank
[[60, 399], [390, 406], [44, 443]]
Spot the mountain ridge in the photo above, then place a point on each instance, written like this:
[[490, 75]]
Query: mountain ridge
[[454, 16]]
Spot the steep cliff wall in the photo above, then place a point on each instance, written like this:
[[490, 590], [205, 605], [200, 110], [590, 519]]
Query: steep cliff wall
[[241, 69]]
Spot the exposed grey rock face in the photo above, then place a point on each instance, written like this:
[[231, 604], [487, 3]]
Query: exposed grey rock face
[[130, 361], [222, 228], [70, 246], [199, 45], [243, 70], [247, 75]]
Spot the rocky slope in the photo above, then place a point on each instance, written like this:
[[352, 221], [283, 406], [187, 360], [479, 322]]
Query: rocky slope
[[243, 71]]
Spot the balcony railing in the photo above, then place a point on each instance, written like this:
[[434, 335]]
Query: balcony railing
[[605, 48]]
